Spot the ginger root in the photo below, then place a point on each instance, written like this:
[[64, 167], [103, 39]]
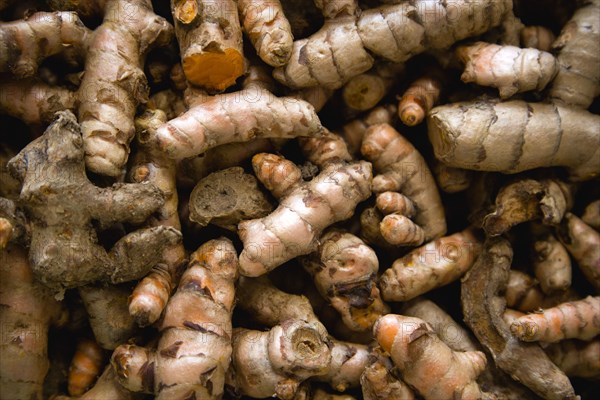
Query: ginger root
[[591, 214], [194, 349], [419, 98], [537, 37], [515, 136], [345, 270], [433, 265], [425, 362], [306, 209], [551, 262], [64, 250], [576, 358], [510, 69], [85, 367], [572, 320], [378, 383]]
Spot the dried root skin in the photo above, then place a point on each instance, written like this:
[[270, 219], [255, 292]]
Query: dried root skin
[[522, 292], [340, 49], [575, 358], [591, 215], [551, 262], [107, 387], [234, 117], [526, 200], [64, 250], [378, 383], [483, 309], [433, 265], [114, 83], [401, 168], [330, 147], [419, 98], [210, 41], [337, 8], [510, 69], [515, 136], [370, 221], [85, 366], [573, 320], [226, 197], [34, 102], [294, 227], [537, 37], [426, 363], [583, 243], [394, 202], [450, 179], [6, 232], [28, 309], [168, 101], [399, 230], [345, 270], [348, 360], [268, 29], [25, 43], [194, 349], [274, 363], [354, 131], [578, 80]]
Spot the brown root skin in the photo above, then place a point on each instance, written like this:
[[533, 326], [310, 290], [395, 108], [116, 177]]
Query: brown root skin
[[28, 309], [341, 49], [345, 270], [348, 361], [370, 221], [450, 179], [428, 267], [107, 387], [483, 308], [379, 383], [401, 168], [168, 101], [583, 243], [268, 29], [85, 367], [6, 232], [526, 200], [522, 292], [415, 348], [551, 262], [195, 334], [34, 102], [329, 148], [337, 8], [518, 136], [419, 98], [537, 37], [399, 230], [576, 358], [573, 320], [510, 69], [25, 43], [591, 215], [353, 131], [114, 83], [364, 91], [210, 40], [55, 186], [303, 213], [578, 81], [394, 202], [226, 197], [234, 117]]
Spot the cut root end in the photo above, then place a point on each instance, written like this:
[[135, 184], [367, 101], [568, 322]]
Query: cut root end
[[214, 71]]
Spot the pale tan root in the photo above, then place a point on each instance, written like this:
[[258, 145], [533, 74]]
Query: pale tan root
[[433, 265], [329, 148], [394, 202], [6, 232], [537, 37], [399, 230], [274, 363], [378, 383], [303, 213], [364, 91], [107, 387], [551, 262], [578, 46], [510, 69], [337, 8], [583, 243], [340, 49], [344, 270], [86, 365], [258, 76], [576, 358], [353, 131], [28, 310], [420, 97], [401, 168], [168, 101], [591, 215], [114, 83], [320, 394], [515, 136], [25, 43], [34, 102], [425, 362], [210, 40], [572, 320], [194, 349], [526, 200], [522, 292], [268, 29], [317, 96], [450, 179], [234, 117]]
